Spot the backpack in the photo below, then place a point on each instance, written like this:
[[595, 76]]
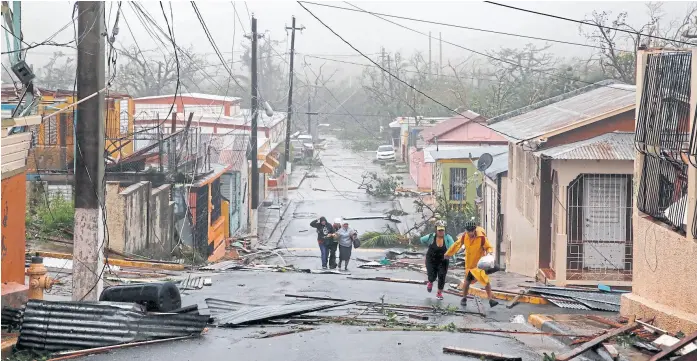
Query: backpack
[[356, 241]]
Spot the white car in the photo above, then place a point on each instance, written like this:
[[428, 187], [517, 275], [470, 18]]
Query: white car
[[385, 152]]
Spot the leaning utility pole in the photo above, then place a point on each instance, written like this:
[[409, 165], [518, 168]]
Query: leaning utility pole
[[290, 107], [255, 115], [88, 243]]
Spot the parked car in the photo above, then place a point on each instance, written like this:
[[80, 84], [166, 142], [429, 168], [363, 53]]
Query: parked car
[[385, 152]]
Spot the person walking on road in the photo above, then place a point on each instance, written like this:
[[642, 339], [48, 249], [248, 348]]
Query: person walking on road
[[325, 232], [346, 235], [476, 246], [436, 262], [332, 243]]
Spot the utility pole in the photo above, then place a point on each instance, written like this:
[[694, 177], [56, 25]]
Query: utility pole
[[309, 116], [88, 243], [440, 49], [290, 107], [429, 55], [255, 116]]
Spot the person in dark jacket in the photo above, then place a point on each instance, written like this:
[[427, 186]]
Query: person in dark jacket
[[325, 236], [436, 261]]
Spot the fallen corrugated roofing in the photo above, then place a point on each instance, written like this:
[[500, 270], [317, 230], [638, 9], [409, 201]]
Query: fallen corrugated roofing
[[249, 315], [599, 306], [566, 109], [191, 283], [60, 326], [217, 306], [431, 154], [610, 298], [609, 146], [565, 302]]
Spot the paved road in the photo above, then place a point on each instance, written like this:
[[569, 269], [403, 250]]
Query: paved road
[[336, 342]]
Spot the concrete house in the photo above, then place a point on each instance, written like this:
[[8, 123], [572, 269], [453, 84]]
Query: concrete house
[[462, 130], [568, 204], [665, 213], [455, 174]]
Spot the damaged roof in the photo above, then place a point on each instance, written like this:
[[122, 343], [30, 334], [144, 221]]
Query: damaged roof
[[609, 146], [564, 110]]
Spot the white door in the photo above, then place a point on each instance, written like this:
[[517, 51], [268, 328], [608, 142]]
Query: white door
[[605, 222]]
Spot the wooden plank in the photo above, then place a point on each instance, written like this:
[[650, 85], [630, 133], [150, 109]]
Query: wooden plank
[[21, 121], [596, 342], [611, 350], [515, 300], [670, 350], [9, 167], [604, 321], [14, 148], [8, 158], [16, 138], [481, 354]]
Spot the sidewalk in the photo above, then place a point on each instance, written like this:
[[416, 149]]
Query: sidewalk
[[270, 217]]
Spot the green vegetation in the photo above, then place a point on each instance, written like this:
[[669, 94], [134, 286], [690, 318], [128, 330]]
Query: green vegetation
[[51, 216]]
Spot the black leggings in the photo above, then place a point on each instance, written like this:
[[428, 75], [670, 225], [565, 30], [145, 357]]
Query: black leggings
[[437, 268]]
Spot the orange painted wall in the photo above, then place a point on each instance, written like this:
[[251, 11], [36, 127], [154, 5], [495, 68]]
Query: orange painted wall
[[14, 194]]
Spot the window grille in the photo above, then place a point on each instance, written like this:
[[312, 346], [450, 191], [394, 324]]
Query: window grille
[[458, 184], [663, 191], [599, 227]]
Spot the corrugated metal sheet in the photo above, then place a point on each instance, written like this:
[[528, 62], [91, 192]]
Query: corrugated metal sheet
[[610, 146], [611, 298], [61, 326], [431, 154], [566, 109], [218, 306], [191, 283], [249, 315], [564, 302], [11, 317], [223, 266], [599, 306]]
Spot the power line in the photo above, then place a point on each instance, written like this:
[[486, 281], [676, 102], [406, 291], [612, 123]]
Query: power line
[[588, 23], [549, 73], [404, 70], [465, 27], [392, 75]]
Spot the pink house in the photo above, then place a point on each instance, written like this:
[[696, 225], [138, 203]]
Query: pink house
[[465, 129]]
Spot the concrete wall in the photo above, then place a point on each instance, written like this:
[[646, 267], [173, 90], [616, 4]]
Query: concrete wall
[[136, 199], [489, 210], [421, 173], [521, 234], [161, 223], [473, 181], [140, 219], [567, 172], [115, 217]]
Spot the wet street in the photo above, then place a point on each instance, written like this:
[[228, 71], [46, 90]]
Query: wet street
[[332, 192]]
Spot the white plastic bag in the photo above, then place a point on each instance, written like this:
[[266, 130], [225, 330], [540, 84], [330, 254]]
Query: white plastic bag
[[487, 262]]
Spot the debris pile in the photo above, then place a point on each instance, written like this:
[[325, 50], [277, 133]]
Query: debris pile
[[90, 327], [580, 299]]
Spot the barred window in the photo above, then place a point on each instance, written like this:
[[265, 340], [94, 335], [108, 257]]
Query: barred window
[[458, 184], [663, 136]]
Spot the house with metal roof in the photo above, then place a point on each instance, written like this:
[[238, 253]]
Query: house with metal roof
[[466, 129], [568, 199], [455, 174]]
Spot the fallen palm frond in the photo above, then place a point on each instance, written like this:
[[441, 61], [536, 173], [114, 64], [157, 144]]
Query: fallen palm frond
[[381, 240]]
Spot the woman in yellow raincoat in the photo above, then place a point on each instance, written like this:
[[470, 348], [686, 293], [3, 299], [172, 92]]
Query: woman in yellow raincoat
[[476, 246]]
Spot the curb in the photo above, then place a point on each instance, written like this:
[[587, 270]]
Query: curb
[[500, 295], [546, 324]]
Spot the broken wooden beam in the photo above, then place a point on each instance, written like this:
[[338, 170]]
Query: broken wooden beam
[[283, 333], [612, 351], [481, 354], [604, 321], [387, 279], [597, 341], [672, 349], [516, 299]]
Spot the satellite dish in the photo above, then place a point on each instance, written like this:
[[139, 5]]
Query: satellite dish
[[484, 162]]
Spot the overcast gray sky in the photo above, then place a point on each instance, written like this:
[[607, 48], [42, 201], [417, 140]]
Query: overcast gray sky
[[41, 19]]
